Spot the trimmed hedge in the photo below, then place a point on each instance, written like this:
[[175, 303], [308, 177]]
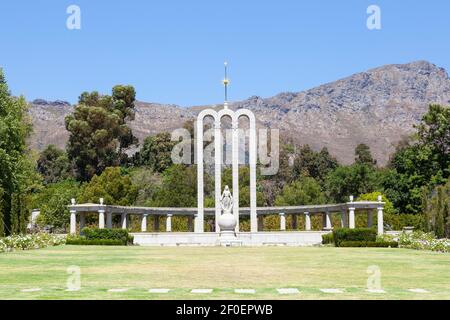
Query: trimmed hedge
[[358, 234], [369, 244], [327, 238], [85, 242], [107, 234]]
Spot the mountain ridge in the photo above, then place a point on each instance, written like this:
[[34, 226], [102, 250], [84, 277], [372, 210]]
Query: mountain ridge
[[378, 107]]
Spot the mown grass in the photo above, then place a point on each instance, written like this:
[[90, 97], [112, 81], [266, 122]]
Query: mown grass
[[223, 269]]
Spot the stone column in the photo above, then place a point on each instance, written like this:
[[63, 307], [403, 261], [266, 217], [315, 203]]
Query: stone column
[[156, 223], [73, 221], [260, 224], [328, 225], [200, 188], [351, 214], [217, 171], [380, 222], [123, 220], [169, 223], [235, 170], [144, 223], [307, 221], [101, 219], [252, 163], [282, 222], [369, 219], [351, 217], [82, 220], [109, 220]]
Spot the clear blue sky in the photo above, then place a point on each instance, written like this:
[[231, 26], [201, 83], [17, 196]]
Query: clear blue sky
[[172, 51]]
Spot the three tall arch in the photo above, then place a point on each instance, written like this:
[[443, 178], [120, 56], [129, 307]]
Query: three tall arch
[[217, 116]]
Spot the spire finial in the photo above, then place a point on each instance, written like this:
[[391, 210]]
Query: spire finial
[[225, 82]]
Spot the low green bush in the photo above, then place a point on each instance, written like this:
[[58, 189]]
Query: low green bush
[[369, 244], [358, 234], [327, 238], [107, 234], [86, 242]]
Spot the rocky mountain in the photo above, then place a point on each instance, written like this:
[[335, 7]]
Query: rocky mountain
[[377, 107]]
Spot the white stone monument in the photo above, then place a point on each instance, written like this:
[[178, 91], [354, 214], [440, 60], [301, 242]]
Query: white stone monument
[[227, 221], [217, 116]]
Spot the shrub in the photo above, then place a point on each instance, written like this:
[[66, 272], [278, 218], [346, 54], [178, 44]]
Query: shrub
[[419, 240], [107, 234], [399, 221], [369, 244], [85, 242], [30, 241], [327, 238], [358, 234]]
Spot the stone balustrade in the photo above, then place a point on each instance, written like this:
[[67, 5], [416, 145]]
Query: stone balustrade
[[346, 211]]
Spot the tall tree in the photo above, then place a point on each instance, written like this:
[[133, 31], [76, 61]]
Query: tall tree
[[314, 164], [156, 152], [53, 164], [353, 180], [363, 155], [16, 172], [98, 131], [421, 162], [113, 186], [305, 190]]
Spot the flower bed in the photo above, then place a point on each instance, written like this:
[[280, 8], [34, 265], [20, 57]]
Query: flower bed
[[423, 241], [30, 241]]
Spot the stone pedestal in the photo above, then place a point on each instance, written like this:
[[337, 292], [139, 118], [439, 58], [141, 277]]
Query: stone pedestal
[[227, 224]]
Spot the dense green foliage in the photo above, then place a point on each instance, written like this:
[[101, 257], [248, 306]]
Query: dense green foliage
[[303, 191], [17, 175], [351, 180], [369, 244], [156, 152], [100, 242], [358, 234], [114, 187], [54, 165], [52, 202], [107, 234], [327, 238], [420, 164], [363, 155], [178, 189], [98, 131], [313, 164], [437, 210]]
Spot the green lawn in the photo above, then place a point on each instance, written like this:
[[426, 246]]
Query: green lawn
[[223, 269]]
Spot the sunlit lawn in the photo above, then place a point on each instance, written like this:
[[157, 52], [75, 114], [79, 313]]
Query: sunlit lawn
[[223, 269]]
